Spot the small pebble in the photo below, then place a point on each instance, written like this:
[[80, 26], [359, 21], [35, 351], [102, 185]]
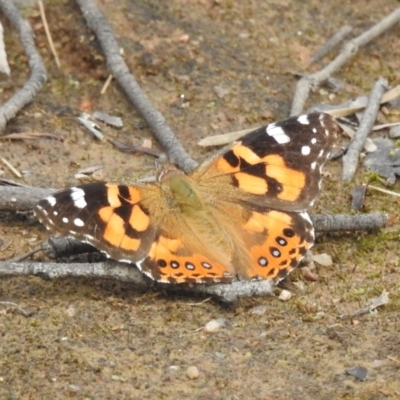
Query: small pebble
[[258, 310], [192, 372], [214, 325], [285, 295], [360, 373]]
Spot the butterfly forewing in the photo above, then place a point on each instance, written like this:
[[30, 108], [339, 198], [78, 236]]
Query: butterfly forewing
[[110, 217], [278, 165]]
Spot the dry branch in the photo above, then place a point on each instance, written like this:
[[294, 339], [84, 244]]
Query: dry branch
[[129, 274], [331, 43], [308, 82], [38, 71], [118, 68], [350, 159]]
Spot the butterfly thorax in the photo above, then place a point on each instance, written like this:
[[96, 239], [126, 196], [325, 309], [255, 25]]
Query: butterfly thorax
[[181, 191]]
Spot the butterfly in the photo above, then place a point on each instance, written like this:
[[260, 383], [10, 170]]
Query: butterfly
[[239, 215]]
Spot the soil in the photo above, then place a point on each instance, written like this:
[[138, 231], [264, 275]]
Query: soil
[[236, 64]]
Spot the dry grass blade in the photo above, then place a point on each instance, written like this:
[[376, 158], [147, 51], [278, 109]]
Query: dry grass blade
[[31, 136], [11, 168], [48, 33]]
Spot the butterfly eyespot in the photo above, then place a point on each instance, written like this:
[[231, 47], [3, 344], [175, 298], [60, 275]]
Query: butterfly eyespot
[[281, 241], [161, 263], [275, 252], [189, 266], [263, 262], [288, 232], [174, 264], [206, 265]]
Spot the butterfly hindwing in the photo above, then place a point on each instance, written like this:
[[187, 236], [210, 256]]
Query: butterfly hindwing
[[277, 242]]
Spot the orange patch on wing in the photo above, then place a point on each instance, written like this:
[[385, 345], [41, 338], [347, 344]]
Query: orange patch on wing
[[135, 195], [130, 244], [247, 154], [112, 196], [224, 166], [114, 230], [292, 181], [138, 219], [251, 184], [254, 224]]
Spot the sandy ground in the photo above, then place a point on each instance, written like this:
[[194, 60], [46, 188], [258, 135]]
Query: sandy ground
[[235, 63]]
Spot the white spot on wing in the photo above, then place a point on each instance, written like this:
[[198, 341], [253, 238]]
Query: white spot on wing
[[51, 200], [313, 165], [65, 220], [78, 197], [314, 130], [313, 140], [305, 150], [277, 133], [303, 119], [55, 213], [78, 222]]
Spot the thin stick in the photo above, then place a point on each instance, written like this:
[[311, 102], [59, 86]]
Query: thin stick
[[106, 84], [305, 84], [350, 159], [11, 168], [378, 189], [48, 33], [118, 68], [331, 43], [38, 72]]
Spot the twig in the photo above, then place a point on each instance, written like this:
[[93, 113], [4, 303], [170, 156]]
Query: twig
[[24, 198], [345, 222], [106, 84], [48, 33], [372, 305], [378, 189], [118, 68], [353, 106], [331, 43], [11, 168], [38, 72], [350, 159], [129, 274], [305, 84]]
